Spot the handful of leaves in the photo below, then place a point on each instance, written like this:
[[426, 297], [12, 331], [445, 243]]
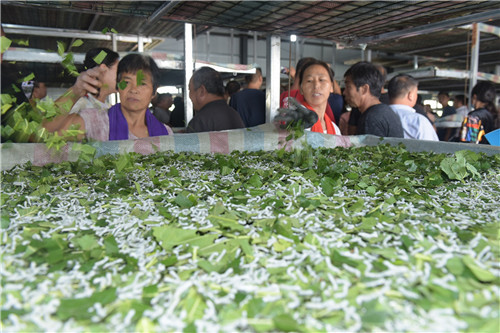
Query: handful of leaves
[[296, 115]]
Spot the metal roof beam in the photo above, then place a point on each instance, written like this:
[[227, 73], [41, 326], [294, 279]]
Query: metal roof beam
[[71, 33], [445, 46], [486, 28], [429, 28], [158, 14]]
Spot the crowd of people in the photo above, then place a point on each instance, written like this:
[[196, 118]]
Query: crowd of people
[[363, 106]]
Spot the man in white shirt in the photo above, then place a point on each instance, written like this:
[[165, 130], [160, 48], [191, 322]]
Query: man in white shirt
[[460, 104], [403, 93]]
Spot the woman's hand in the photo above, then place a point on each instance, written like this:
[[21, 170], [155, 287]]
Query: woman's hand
[[88, 82]]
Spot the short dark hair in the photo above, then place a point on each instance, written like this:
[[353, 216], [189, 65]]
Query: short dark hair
[[232, 87], [443, 93], [461, 98], [109, 59], [310, 63], [164, 96], [252, 77], [400, 85], [382, 71], [485, 92], [210, 79], [300, 65], [362, 73], [134, 62]]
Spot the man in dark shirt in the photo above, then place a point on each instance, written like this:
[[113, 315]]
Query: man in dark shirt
[[444, 99], [161, 107], [250, 103], [363, 86], [355, 115], [445, 134], [206, 91]]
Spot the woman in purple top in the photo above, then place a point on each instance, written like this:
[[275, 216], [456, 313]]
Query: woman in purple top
[[137, 81]]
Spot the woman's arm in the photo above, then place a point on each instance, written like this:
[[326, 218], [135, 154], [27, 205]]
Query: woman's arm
[[62, 123], [87, 82]]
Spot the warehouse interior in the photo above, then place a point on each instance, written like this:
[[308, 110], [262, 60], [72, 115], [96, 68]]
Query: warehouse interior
[[255, 229], [427, 36]]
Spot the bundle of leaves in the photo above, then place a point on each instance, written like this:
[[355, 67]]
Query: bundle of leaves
[[360, 239], [22, 119]]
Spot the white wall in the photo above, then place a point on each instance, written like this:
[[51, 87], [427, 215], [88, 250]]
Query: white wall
[[216, 48]]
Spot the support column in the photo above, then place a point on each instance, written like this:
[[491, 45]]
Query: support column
[[272, 76], [140, 43], [113, 98], [334, 56], [474, 60], [115, 43], [231, 41], [363, 47], [188, 70], [255, 41], [300, 49], [208, 46], [298, 54], [244, 49]]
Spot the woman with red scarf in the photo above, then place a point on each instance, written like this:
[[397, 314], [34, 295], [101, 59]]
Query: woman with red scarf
[[316, 83]]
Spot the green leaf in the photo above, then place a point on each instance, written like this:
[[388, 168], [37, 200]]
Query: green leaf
[[140, 77], [77, 43], [22, 42], [371, 190], [145, 325], [61, 47], [168, 237], [368, 223], [194, 305], [480, 273], [77, 308], [190, 328], [5, 44], [123, 162], [183, 201], [72, 308], [374, 318], [5, 108], [29, 77], [338, 260], [100, 57], [226, 221], [286, 323], [5, 222], [86, 243], [255, 181], [328, 186], [122, 85], [111, 245]]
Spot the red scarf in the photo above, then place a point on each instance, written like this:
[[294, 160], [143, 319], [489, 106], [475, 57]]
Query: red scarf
[[317, 127]]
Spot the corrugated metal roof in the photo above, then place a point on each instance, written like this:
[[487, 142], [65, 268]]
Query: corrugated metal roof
[[380, 24], [341, 21]]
